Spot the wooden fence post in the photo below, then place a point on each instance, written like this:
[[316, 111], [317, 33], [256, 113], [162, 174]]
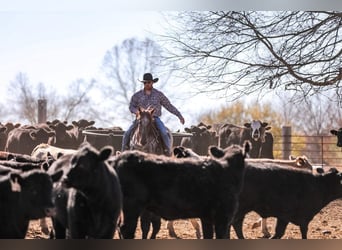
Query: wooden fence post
[[286, 135]]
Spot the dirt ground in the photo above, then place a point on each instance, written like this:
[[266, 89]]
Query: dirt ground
[[327, 224]]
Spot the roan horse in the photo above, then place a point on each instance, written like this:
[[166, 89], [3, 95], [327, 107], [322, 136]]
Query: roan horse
[[146, 137]]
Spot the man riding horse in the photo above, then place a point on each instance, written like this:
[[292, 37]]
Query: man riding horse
[[150, 97]]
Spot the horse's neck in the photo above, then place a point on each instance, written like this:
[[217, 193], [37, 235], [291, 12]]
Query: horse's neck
[[149, 131], [146, 139]]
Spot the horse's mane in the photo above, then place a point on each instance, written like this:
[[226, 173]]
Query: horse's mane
[[146, 138]]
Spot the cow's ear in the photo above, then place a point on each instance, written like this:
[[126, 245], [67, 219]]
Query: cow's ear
[[57, 176], [268, 128], [105, 153], [264, 124], [247, 124], [33, 135], [59, 155], [69, 127], [178, 151], [247, 146], [15, 180], [319, 170], [10, 157], [333, 131], [45, 166], [216, 152], [333, 170]]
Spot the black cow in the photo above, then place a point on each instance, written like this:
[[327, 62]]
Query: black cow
[[182, 188], [4, 130], [64, 137], [79, 126], [255, 132], [90, 205], [3, 136], [202, 137], [290, 195], [338, 134], [23, 140], [24, 196]]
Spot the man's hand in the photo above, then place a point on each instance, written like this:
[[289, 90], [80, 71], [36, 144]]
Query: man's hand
[[182, 120]]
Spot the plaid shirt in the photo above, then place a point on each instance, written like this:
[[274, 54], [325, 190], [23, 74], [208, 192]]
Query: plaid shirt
[[155, 100]]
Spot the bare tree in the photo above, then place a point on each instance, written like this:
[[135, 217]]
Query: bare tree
[[77, 102], [21, 98], [239, 53], [123, 65], [23, 95], [317, 115]]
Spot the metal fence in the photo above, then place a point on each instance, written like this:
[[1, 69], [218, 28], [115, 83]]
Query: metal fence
[[320, 150]]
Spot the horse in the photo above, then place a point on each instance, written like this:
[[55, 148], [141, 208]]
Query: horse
[[146, 137]]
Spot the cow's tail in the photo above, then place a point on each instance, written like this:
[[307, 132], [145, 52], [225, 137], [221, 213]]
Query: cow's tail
[[119, 223], [247, 146]]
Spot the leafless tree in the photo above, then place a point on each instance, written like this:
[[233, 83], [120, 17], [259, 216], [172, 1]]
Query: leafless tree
[[23, 98], [238, 53], [123, 65], [317, 115]]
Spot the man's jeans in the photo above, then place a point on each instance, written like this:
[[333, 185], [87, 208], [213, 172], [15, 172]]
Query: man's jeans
[[160, 126]]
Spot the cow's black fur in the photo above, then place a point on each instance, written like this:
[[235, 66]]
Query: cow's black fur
[[89, 198], [182, 188], [290, 195], [30, 200], [338, 134]]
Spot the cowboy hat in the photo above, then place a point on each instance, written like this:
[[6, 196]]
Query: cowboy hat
[[148, 77]]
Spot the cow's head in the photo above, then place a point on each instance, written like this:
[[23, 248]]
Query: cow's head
[[338, 134], [86, 164], [258, 129]]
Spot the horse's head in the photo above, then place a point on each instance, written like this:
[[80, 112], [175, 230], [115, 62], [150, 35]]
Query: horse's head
[[145, 116], [145, 136]]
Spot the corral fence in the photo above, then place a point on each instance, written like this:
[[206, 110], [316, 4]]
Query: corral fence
[[320, 149]]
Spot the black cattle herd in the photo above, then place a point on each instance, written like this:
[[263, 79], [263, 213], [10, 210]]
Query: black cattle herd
[[90, 189]]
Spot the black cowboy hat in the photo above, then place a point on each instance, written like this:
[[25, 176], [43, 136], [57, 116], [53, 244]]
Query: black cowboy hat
[[148, 77]]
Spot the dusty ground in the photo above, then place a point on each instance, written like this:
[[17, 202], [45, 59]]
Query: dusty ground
[[327, 224]]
